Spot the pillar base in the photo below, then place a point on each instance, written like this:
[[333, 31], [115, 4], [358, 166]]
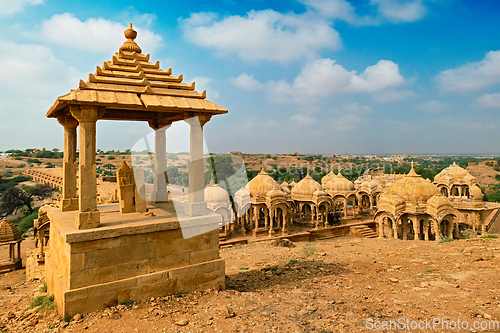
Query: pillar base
[[195, 208], [69, 204], [159, 197], [88, 220]]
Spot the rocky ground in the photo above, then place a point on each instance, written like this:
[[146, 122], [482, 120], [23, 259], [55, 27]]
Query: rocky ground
[[484, 174], [344, 284]]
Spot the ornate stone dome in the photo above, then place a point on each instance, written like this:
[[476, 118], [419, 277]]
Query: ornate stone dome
[[261, 184], [438, 202], [339, 183], [413, 188], [275, 194], [8, 231], [369, 186], [454, 173], [327, 177], [242, 193], [307, 186], [284, 185], [215, 194], [476, 194]]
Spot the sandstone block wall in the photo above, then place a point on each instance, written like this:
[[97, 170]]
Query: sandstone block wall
[[89, 273]]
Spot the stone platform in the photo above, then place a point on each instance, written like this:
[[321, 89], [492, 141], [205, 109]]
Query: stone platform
[[130, 257]]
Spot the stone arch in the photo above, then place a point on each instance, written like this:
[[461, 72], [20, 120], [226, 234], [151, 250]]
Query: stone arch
[[387, 226]]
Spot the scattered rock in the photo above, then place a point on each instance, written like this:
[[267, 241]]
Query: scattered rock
[[393, 279], [115, 316], [76, 317], [182, 322], [285, 242]]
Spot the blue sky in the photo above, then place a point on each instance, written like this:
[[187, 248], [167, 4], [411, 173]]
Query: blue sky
[[313, 76]]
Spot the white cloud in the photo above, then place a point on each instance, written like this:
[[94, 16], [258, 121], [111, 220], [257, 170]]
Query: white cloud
[[94, 34], [302, 120], [33, 70], [432, 106], [395, 11], [8, 7], [472, 76], [333, 9], [350, 116], [401, 10], [489, 100], [324, 77], [247, 82], [392, 96], [32, 78], [203, 83], [262, 35]]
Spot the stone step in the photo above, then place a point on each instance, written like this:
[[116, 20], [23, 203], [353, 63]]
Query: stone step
[[363, 231]]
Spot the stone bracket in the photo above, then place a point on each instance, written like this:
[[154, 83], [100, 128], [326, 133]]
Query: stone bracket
[[69, 204], [88, 220]]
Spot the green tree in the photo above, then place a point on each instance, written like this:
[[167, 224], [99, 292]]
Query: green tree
[[15, 198]]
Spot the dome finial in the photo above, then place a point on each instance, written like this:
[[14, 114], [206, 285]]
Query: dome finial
[[412, 172], [263, 169], [130, 45], [212, 181]]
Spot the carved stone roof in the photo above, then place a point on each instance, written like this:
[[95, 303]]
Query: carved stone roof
[[413, 188], [216, 194], [131, 87], [261, 184], [8, 231], [455, 174], [306, 187]]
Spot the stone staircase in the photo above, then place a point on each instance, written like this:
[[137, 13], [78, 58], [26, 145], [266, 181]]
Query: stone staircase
[[492, 218], [362, 231]]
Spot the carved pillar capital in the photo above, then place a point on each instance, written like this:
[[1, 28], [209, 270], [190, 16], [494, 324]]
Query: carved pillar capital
[[86, 113], [67, 121], [159, 124], [200, 120]]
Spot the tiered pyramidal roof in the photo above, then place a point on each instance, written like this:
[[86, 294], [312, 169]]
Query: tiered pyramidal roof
[[8, 231], [131, 87]]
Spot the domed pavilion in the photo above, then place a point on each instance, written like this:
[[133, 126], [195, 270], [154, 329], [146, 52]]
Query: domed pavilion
[[311, 200], [269, 205], [464, 192], [414, 207], [341, 191], [10, 236], [218, 201]]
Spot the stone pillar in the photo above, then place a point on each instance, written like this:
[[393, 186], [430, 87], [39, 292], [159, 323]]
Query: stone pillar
[[395, 229], [416, 229], [271, 224], [284, 230], [160, 192], [381, 228], [87, 216], [196, 205], [69, 199], [345, 209], [266, 219], [243, 220], [256, 216], [404, 223], [426, 230], [437, 230]]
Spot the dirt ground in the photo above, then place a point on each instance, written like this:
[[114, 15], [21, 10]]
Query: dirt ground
[[343, 284]]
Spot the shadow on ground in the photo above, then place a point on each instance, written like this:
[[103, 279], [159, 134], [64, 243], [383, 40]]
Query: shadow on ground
[[273, 275]]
